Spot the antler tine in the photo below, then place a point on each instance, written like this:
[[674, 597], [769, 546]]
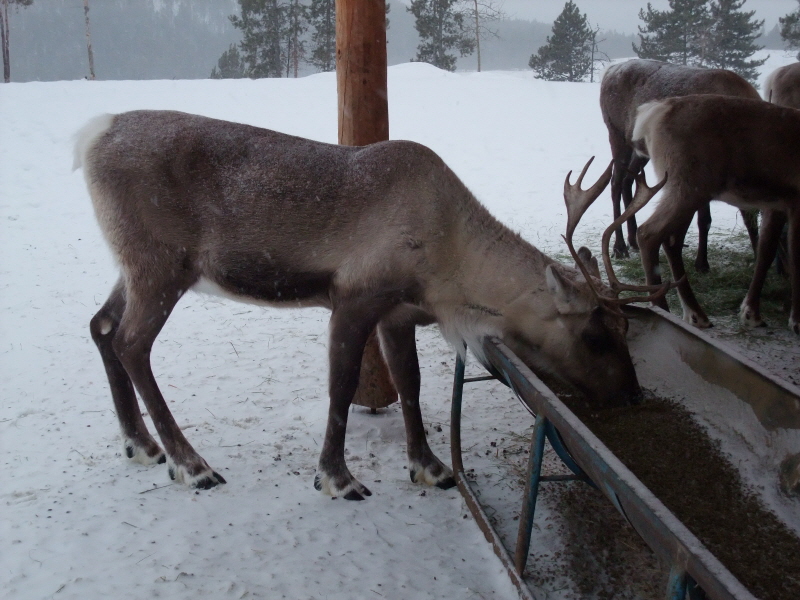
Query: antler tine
[[577, 201], [643, 195]]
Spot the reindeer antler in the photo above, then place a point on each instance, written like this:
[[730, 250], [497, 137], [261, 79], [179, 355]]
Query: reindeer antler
[[642, 196], [577, 201]]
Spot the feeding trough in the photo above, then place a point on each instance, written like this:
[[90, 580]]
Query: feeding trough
[[752, 416]]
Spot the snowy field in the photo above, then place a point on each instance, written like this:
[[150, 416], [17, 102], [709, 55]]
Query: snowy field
[[248, 385]]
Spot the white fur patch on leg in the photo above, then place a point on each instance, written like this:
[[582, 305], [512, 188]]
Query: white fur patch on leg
[[693, 318], [748, 317], [353, 490], [138, 454], [204, 477], [423, 474]]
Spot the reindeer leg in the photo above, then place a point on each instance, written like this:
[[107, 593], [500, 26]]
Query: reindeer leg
[[351, 324], [703, 227], [794, 268], [649, 247], [750, 220], [148, 306], [399, 347], [635, 166], [621, 153], [673, 248], [139, 444], [772, 222], [667, 226]]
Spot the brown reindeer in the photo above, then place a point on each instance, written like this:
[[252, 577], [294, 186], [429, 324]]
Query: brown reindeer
[[741, 151], [781, 87], [624, 88], [383, 235]]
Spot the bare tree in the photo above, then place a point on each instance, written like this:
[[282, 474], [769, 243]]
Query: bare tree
[[479, 13], [4, 34], [88, 39], [597, 54]]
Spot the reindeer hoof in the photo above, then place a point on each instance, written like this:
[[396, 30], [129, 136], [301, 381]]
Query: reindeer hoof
[[434, 473], [446, 484], [702, 267], [750, 318], [206, 483], [349, 490], [621, 252], [198, 475], [698, 321], [147, 454]]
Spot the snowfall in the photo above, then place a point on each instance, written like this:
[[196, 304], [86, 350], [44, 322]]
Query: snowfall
[[248, 384]]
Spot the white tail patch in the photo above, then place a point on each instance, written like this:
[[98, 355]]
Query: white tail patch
[[648, 117], [87, 135]]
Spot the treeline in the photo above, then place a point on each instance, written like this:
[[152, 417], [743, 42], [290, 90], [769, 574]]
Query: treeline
[[705, 33], [187, 39]]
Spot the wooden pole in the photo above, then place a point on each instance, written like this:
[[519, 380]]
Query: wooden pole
[[361, 71], [364, 119]]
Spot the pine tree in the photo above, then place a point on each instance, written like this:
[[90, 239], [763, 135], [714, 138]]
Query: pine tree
[[567, 56], [790, 29], [322, 17], [293, 42], [263, 23], [441, 29], [230, 65], [679, 35], [732, 39]]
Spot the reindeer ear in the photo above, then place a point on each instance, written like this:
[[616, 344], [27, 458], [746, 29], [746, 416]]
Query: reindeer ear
[[589, 261], [568, 298]]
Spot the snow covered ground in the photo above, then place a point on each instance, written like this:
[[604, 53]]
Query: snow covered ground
[[249, 384]]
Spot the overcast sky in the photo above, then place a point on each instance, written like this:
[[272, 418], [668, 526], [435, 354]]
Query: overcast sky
[[623, 15]]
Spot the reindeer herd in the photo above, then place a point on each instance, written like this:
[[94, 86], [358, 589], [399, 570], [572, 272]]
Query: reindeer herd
[[387, 237]]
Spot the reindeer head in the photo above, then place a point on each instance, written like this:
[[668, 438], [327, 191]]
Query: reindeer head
[[584, 339]]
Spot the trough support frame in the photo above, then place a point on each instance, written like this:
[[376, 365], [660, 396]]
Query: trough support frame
[[667, 536]]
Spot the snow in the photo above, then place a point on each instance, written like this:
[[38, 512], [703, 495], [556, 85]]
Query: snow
[[248, 384]]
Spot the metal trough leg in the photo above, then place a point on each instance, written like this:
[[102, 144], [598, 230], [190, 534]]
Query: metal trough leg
[[676, 587], [531, 493]]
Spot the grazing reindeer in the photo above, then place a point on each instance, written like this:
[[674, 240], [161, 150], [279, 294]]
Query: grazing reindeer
[[741, 151], [628, 85], [383, 235], [782, 87]]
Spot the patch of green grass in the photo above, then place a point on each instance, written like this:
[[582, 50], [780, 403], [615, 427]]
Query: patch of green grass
[[721, 290]]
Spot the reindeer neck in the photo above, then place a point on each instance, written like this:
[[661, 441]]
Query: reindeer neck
[[496, 268]]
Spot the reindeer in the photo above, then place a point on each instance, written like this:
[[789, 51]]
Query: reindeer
[[384, 236], [624, 88], [781, 87], [741, 151]]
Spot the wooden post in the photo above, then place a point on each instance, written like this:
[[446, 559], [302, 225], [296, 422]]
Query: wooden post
[[364, 119], [361, 71]]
